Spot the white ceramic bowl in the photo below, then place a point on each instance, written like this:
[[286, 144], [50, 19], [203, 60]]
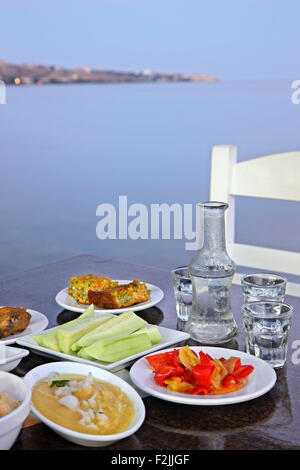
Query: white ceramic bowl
[[10, 425], [12, 358], [89, 440]]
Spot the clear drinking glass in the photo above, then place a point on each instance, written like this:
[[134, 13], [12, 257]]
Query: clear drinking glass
[[266, 326], [183, 292], [264, 286]]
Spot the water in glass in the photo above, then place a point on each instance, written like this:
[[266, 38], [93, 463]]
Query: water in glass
[[266, 327], [183, 292]]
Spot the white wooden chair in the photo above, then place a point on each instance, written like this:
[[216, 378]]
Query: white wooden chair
[[274, 176]]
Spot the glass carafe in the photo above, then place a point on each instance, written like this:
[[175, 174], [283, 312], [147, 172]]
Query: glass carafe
[[211, 320]]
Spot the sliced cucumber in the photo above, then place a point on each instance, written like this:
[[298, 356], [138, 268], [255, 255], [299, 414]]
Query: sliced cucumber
[[47, 340], [112, 351], [69, 333], [113, 329], [152, 332], [89, 312], [84, 355]]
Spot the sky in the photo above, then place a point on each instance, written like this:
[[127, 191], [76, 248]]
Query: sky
[[233, 39]]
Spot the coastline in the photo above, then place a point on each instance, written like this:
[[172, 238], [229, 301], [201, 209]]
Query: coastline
[[36, 74]]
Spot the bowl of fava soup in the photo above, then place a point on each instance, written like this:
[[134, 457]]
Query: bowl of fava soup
[[84, 404]]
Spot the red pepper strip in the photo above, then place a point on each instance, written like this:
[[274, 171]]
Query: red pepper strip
[[168, 358], [157, 360], [228, 380], [167, 371], [202, 374], [199, 390], [237, 365], [205, 358], [163, 373], [187, 377], [243, 372], [174, 357]]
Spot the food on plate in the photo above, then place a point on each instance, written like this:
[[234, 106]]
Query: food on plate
[[68, 334], [103, 338], [153, 333], [13, 320], [83, 404], [183, 370], [80, 285], [70, 331], [47, 340], [7, 404], [111, 351], [119, 296], [105, 293], [114, 328]]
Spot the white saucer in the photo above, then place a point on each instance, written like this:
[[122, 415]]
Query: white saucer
[[38, 322]]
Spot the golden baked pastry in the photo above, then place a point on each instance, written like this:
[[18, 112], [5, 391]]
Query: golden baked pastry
[[80, 285], [120, 296]]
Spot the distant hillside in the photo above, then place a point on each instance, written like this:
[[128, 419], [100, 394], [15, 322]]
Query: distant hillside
[[28, 74]]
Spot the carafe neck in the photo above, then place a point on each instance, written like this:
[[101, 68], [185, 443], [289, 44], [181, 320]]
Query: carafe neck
[[213, 228]]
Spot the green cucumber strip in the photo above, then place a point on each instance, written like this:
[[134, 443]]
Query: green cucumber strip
[[119, 349], [89, 312], [69, 333], [49, 340], [153, 333], [115, 328], [84, 355]]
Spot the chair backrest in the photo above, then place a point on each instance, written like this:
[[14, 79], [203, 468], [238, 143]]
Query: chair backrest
[[274, 176]]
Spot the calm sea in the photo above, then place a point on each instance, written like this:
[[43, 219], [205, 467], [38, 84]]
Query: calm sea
[[67, 148]]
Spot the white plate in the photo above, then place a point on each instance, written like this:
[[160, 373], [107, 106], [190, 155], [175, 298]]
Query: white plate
[[169, 337], [259, 382], [10, 357], [90, 440], [38, 322], [67, 302]]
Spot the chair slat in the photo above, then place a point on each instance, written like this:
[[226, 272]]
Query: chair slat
[[267, 259], [273, 176]]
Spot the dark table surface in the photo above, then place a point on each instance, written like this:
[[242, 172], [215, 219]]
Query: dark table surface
[[269, 422]]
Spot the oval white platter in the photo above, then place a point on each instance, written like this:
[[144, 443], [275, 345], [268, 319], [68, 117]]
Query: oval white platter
[[169, 337]]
